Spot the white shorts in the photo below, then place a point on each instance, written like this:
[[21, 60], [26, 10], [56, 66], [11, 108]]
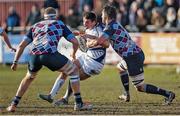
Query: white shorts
[[89, 65]]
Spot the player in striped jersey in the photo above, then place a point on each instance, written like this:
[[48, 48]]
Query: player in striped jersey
[[133, 55]]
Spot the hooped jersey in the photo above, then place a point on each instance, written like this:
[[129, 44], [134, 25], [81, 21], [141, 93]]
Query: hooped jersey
[[120, 39], [45, 36], [97, 53]]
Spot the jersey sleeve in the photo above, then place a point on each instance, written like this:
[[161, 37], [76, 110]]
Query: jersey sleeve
[[67, 33], [107, 32], [28, 37]]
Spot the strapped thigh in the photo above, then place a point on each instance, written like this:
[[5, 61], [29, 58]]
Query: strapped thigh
[[68, 68], [138, 79]]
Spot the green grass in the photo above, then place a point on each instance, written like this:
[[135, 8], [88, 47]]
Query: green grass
[[101, 90]]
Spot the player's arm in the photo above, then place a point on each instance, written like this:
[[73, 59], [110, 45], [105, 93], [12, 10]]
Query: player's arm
[[102, 41], [71, 38], [75, 47], [94, 42], [26, 41], [18, 53], [6, 40]]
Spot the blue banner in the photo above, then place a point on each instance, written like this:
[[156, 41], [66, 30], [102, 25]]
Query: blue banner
[[8, 55]]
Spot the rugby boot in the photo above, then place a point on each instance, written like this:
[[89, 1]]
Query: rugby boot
[[169, 99], [46, 97], [124, 97], [60, 102], [82, 106], [11, 108]]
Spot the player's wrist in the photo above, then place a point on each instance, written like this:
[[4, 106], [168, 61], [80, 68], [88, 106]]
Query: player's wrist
[[15, 62]]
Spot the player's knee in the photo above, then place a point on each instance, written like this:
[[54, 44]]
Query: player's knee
[[30, 75], [70, 69], [138, 82], [122, 67], [139, 88]]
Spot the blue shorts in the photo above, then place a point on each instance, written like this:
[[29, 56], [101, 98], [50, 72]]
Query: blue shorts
[[53, 61], [135, 63]]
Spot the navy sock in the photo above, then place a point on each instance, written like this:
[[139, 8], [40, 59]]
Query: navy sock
[[155, 90], [78, 98], [125, 81], [16, 100]]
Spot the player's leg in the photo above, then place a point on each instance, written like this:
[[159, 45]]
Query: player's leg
[[65, 98], [58, 62], [56, 87], [135, 68], [33, 68], [138, 82], [124, 77]]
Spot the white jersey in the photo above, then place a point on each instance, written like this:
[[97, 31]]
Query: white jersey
[[97, 53], [93, 61]]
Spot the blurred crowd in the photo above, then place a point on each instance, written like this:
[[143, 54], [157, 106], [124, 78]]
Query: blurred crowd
[[134, 15]]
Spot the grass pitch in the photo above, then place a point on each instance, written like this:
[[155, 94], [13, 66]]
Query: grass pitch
[[102, 91]]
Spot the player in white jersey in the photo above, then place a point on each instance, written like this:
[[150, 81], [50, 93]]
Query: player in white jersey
[[90, 63]]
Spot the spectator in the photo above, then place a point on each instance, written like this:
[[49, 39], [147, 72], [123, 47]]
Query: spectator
[[83, 4], [72, 19], [140, 3], [159, 3], [168, 4], [148, 6], [113, 3], [141, 20], [132, 17], [34, 15], [157, 20], [170, 18], [12, 20], [124, 14]]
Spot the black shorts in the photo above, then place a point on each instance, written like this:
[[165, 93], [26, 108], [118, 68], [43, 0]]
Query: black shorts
[[135, 64], [53, 61]]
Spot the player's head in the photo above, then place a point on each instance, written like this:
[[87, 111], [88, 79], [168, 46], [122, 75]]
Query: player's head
[[108, 13], [50, 13], [89, 19]]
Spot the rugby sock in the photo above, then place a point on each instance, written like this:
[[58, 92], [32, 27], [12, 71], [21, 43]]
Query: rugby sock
[[78, 98], [68, 92], [125, 82], [16, 100], [155, 90], [57, 85]]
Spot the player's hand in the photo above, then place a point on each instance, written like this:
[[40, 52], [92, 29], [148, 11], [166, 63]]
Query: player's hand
[[14, 66], [13, 49], [73, 56], [92, 43]]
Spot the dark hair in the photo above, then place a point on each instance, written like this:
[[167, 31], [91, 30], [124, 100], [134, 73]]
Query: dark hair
[[90, 15], [110, 11]]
